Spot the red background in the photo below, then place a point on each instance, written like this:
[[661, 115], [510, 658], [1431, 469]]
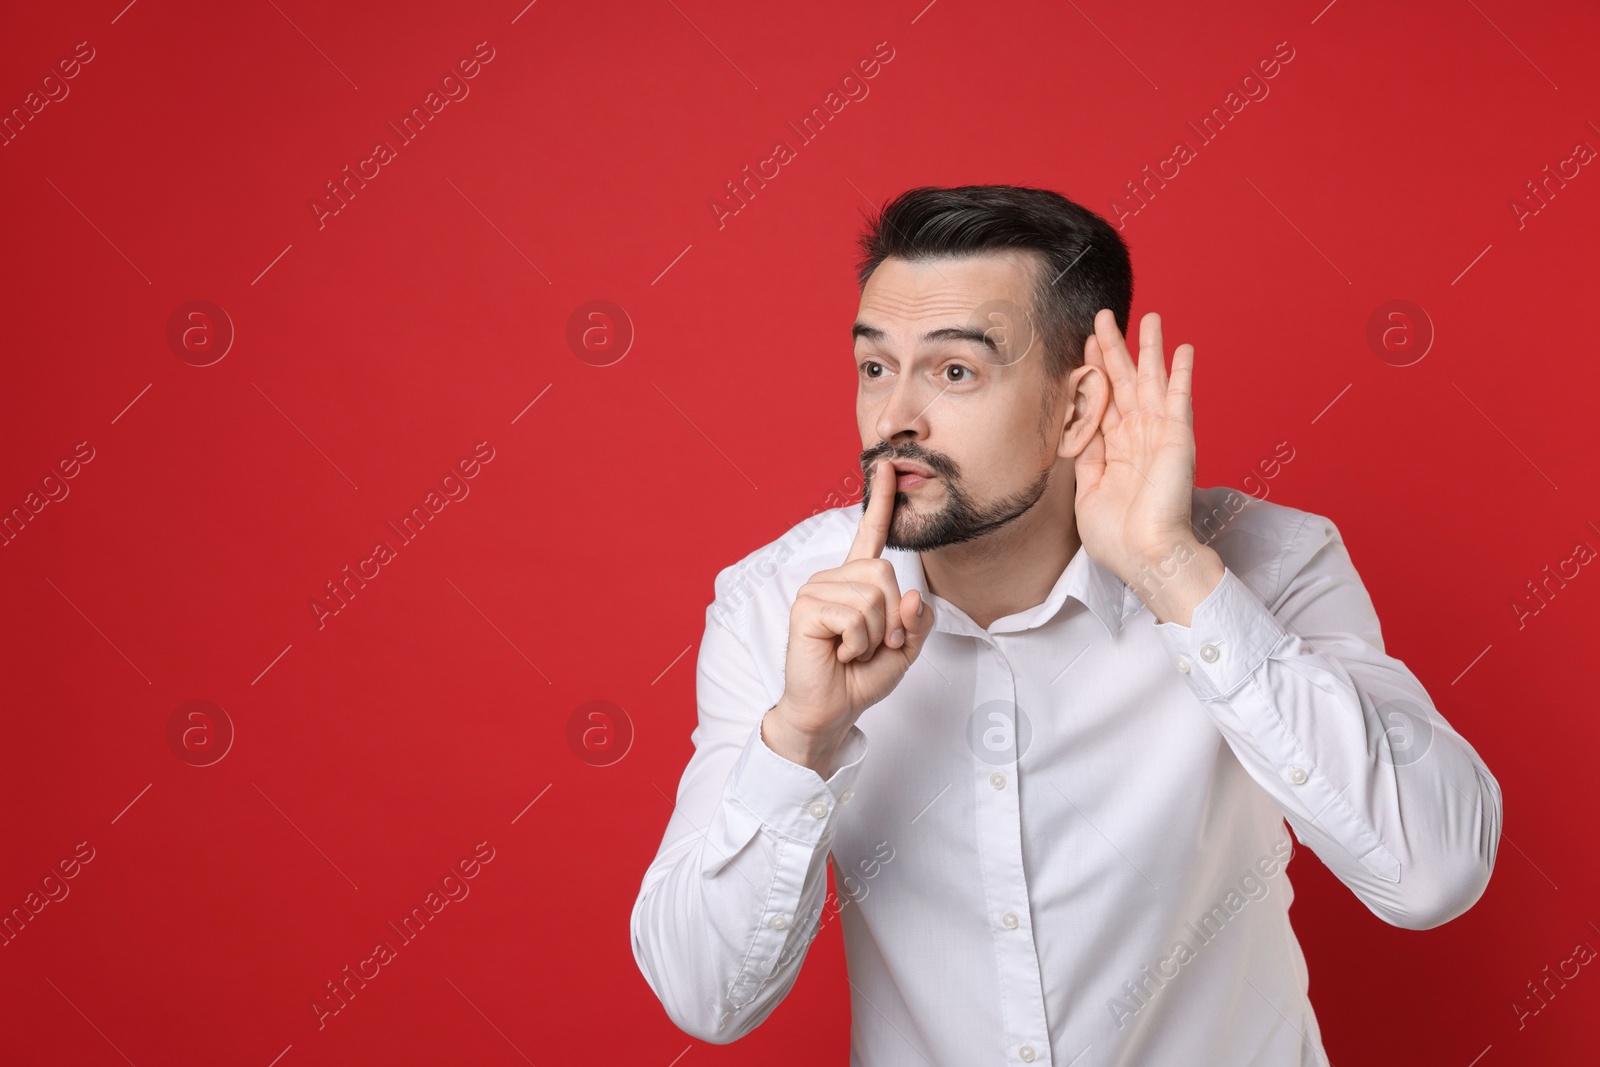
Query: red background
[[373, 752]]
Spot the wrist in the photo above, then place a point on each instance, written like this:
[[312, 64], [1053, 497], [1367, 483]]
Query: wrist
[[1173, 584], [816, 750]]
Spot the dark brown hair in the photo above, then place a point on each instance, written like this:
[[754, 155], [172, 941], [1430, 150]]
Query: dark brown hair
[[1085, 262]]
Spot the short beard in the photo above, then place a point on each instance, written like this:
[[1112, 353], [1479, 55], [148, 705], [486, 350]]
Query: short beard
[[959, 520]]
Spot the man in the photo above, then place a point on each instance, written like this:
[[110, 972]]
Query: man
[[1052, 737]]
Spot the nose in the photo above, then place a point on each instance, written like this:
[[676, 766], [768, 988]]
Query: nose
[[904, 414]]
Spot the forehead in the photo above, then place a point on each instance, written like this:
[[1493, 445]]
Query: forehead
[[949, 289]]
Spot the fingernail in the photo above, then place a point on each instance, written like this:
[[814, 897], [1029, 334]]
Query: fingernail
[[920, 605]]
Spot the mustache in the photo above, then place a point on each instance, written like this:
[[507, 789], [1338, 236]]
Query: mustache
[[937, 462]]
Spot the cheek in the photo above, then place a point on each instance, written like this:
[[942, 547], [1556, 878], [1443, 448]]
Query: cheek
[[996, 445], [866, 420]]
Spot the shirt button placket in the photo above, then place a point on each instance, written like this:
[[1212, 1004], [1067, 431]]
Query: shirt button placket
[[1000, 852]]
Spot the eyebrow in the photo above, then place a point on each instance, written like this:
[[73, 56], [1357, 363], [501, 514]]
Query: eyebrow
[[861, 331]]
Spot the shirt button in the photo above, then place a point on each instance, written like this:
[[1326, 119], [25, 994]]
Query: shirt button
[[819, 809], [997, 780], [1009, 920], [1208, 653], [1183, 664], [779, 922], [1026, 1052], [1297, 775], [844, 798]]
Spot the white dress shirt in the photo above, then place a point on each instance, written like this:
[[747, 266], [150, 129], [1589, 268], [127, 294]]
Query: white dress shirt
[[1061, 839]]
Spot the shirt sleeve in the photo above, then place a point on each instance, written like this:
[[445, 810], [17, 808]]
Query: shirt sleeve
[[735, 893], [1343, 736]]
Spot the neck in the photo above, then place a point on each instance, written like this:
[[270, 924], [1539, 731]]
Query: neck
[[1013, 568]]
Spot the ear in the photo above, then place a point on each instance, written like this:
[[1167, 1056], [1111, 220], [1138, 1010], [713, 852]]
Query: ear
[[1088, 392]]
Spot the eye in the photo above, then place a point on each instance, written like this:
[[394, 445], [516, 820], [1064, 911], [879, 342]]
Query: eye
[[955, 372], [872, 370]]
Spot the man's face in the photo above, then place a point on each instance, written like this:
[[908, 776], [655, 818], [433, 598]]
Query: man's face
[[965, 423]]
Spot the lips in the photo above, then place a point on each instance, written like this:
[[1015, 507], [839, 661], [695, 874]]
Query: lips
[[901, 467]]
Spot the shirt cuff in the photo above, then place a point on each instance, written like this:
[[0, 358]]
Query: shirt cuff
[[789, 799], [1230, 635]]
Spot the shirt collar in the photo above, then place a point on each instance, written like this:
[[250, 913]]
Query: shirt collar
[[1084, 580]]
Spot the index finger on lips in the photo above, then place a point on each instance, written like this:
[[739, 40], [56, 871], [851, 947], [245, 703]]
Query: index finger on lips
[[873, 533]]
